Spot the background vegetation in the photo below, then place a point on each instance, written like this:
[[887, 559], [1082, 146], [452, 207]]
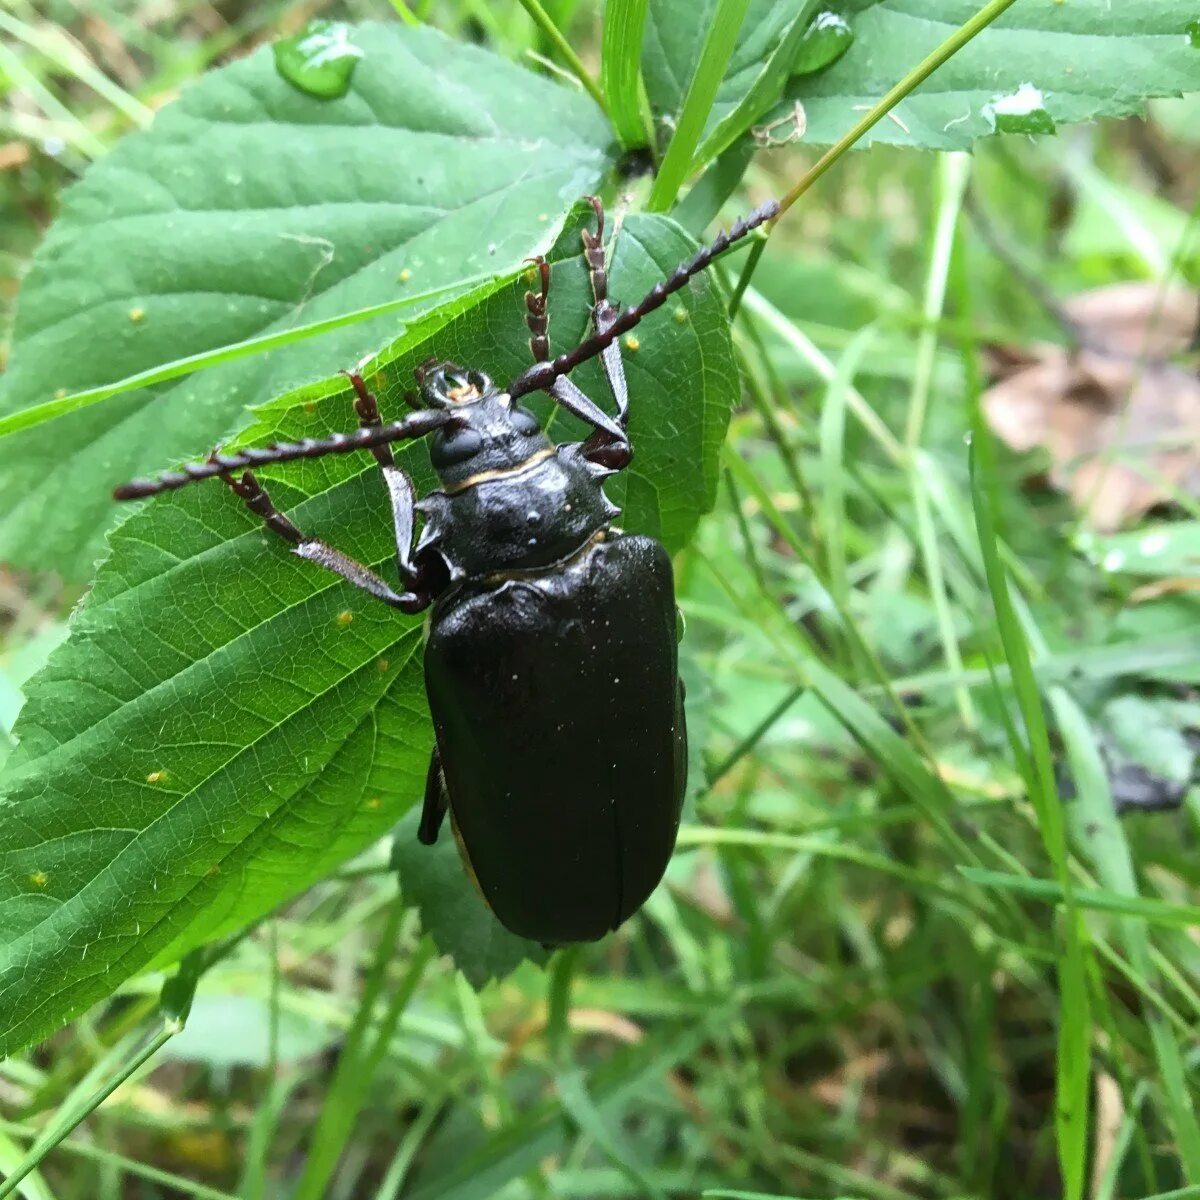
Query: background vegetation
[[930, 928]]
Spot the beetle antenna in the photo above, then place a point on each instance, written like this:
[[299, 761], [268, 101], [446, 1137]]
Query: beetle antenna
[[541, 375], [414, 426]]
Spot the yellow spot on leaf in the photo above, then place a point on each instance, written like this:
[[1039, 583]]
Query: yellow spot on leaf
[[39, 879], [383, 665], [405, 275], [58, 395], [681, 315], [344, 617], [156, 776], [136, 314], [374, 802], [632, 344]]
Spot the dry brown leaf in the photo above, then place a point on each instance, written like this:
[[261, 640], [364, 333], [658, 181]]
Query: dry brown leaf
[[1120, 421]]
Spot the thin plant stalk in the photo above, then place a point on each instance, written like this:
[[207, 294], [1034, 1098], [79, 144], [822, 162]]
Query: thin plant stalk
[[926, 67], [953, 172]]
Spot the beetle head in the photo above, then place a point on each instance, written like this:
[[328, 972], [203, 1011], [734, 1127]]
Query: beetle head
[[486, 432], [446, 385]]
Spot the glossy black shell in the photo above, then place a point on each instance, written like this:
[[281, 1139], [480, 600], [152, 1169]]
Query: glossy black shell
[[560, 726], [552, 675]]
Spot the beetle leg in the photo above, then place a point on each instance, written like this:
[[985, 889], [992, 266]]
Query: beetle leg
[[575, 401], [609, 445], [433, 811], [399, 485], [255, 497], [604, 313], [536, 317]]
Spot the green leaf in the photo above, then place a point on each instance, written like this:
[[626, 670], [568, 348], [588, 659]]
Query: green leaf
[[434, 881], [249, 207], [226, 722], [1039, 65]]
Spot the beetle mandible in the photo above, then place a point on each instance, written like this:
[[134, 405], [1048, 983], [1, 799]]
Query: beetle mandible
[[550, 662]]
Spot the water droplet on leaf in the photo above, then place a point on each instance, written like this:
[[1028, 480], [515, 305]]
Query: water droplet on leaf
[[319, 59], [1022, 111], [827, 38]]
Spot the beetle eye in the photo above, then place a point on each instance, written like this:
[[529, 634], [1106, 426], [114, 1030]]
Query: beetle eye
[[523, 421], [454, 446]]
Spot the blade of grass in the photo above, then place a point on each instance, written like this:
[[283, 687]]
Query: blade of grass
[[67, 54], [1154, 912], [832, 437], [542, 19], [405, 13], [538, 1132], [621, 71], [798, 341], [131, 1166], [915, 775], [33, 1186], [71, 129], [820, 847], [1103, 839], [79, 1107], [366, 1043], [1074, 1035], [698, 102], [953, 173], [50, 410]]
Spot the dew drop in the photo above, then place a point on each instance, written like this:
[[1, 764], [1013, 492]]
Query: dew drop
[[827, 38], [319, 59], [1022, 111]]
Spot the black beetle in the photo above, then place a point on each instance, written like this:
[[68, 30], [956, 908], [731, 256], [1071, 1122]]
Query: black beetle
[[550, 663]]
